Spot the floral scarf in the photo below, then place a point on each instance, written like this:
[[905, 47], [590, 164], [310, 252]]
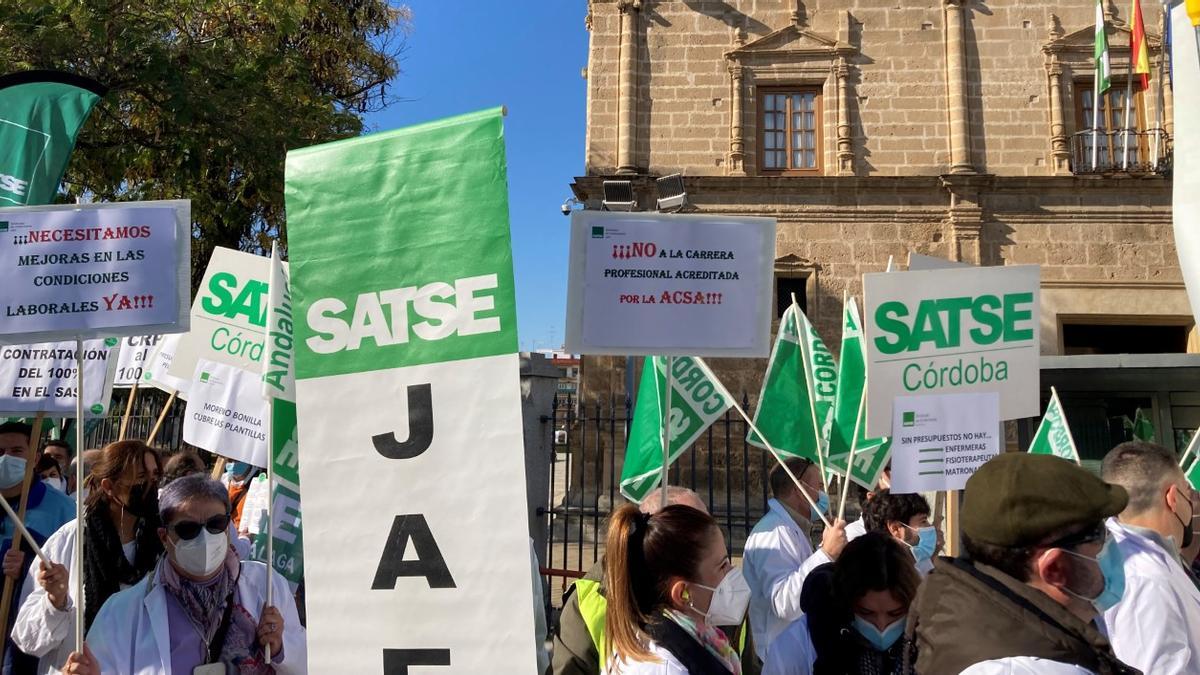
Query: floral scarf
[[711, 637]]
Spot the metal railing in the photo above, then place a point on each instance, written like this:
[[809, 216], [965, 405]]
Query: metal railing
[[1121, 151]]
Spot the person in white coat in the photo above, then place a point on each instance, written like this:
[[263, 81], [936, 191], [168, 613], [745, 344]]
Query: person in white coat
[[778, 554], [121, 546], [1156, 625], [670, 585], [201, 607]]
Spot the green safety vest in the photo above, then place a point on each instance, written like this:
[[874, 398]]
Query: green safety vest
[[593, 607]]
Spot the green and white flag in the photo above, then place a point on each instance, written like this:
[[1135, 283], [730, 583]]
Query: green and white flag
[[41, 113], [408, 395], [1103, 74], [1140, 428], [1189, 453], [785, 405], [1053, 435], [821, 377], [849, 434], [697, 400], [1193, 474], [278, 354]]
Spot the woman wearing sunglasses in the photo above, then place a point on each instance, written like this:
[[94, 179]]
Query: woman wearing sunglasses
[[201, 610], [121, 546]]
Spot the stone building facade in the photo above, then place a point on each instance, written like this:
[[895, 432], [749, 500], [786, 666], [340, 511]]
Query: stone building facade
[[871, 128]]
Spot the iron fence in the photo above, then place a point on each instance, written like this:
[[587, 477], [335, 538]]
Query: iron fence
[[1121, 151], [147, 405]]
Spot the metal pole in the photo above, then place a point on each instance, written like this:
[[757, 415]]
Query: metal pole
[[1128, 107]]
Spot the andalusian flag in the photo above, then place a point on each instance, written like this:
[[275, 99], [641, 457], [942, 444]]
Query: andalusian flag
[[697, 400], [1138, 50], [848, 443], [1141, 428], [785, 413], [41, 112], [1053, 435], [1103, 66], [1189, 453]]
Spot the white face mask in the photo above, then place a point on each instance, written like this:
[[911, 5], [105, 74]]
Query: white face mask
[[202, 556], [729, 601], [12, 470], [59, 484]]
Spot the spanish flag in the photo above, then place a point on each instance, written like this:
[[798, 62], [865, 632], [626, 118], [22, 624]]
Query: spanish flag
[[1138, 51]]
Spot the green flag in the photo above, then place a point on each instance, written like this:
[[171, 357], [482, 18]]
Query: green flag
[[285, 497], [821, 377], [1103, 75], [1053, 435], [848, 442], [1141, 428], [1193, 474], [40, 115], [785, 404], [1189, 453], [697, 400]]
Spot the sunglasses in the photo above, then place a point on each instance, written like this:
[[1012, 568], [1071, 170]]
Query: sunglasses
[[188, 530]]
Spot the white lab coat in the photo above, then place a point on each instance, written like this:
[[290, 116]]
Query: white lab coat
[[40, 629], [792, 653], [666, 664], [131, 633], [1025, 665], [777, 559], [1156, 625]]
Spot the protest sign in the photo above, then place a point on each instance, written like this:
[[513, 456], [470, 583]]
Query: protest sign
[[952, 331], [94, 270], [656, 284], [407, 374], [132, 359], [229, 314], [41, 378], [1185, 174], [154, 373], [226, 413], [941, 440], [41, 112], [697, 400]]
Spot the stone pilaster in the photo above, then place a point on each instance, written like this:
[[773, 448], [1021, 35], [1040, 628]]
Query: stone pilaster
[[845, 146], [956, 81], [1060, 152], [627, 97], [737, 144]]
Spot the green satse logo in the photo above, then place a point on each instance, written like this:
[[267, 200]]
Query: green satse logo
[[204, 376], [230, 299], [910, 419], [597, 232], [3, 226], [97, 409], [939, 322]]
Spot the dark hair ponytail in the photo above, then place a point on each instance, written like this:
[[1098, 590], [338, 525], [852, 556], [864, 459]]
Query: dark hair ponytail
[[644, 556]]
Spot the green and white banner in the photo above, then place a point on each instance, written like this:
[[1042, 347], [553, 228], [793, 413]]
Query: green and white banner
[[697, 400], [289, 540], [785, 404], [1053, 435], [849, 442], [41, 112], [407, 373]]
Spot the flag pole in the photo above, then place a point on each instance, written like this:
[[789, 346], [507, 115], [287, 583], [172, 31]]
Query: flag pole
[[850, 460], [1191, 448], [128, 409], [1160, 97], [666, 432], [1097, 81], [1128, 103], [80, 600], [805, 357], [270, 515], [162, 416]]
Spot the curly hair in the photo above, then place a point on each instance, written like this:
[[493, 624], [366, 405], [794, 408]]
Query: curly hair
[[886, 507]]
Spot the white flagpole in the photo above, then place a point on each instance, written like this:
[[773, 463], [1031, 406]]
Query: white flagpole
[[79, 524], [806, 359], [850, 460], [1128, 107], [666, 431], [20, 527], [1191, 448]]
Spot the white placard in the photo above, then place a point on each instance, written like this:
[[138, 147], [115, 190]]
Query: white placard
[[952, 331], [93, 270], [1185, 174], [154, 373], [41, 378], [226, 413], [229, 314], [660, 284], [939, 441], [132, 359]]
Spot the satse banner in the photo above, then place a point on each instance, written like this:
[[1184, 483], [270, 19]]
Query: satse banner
[[407, 373], [952, 331], [41, 378], [663, 284], [94, 270]]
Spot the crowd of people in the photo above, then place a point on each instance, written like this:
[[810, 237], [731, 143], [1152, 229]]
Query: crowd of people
[[1062, 572], [167, 583]]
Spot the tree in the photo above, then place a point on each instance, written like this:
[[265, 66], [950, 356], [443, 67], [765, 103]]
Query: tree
[[207, 96]]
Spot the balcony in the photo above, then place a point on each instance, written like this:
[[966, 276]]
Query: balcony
[[1122, 151]]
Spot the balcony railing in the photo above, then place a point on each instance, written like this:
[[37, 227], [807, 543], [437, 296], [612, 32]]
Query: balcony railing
[[1121, 151]]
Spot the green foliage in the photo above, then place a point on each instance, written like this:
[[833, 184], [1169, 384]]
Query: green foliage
[[207, 96]]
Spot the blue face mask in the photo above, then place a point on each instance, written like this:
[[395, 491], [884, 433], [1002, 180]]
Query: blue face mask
[[926, 542], [880, 640], [12, 471], [822, 507], [1112, 567]]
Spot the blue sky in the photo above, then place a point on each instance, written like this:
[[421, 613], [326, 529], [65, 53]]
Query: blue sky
[[463, 56]]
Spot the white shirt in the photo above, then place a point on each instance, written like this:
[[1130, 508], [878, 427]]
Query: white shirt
[[1156, 625], [666, 664], [41, 630], [777, 559], [1025, 665], [792, 653]]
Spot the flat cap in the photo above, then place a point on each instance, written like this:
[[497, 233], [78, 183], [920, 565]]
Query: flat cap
[[1018, 499]]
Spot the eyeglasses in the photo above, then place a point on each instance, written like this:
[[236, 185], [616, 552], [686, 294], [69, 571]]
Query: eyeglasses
[[188, 530]]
